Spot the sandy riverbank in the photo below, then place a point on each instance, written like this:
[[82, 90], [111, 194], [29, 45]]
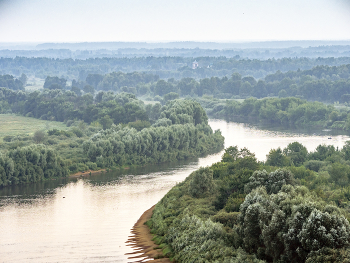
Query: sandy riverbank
[[92, 172], [141, 241], [86, 173]]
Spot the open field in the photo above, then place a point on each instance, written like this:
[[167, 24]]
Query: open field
[[11, 124], [34, 84]]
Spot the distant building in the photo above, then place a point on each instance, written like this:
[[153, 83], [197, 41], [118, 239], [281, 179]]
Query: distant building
[[195, 64]]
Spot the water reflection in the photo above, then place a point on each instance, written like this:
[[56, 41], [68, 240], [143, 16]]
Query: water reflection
[[89, 220]]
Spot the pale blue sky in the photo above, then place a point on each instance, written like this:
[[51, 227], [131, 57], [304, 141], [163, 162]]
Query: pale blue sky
[[173, 20]]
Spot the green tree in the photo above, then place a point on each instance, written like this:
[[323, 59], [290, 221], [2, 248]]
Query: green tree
[[23, 78], [106, 122], [55, 83], [296, 152], [201, 182], [89, 89], [276, 158], [39, 136]]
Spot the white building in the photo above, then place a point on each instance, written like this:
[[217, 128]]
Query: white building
[[195, 64]]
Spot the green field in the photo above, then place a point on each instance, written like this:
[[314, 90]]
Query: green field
[[34, 84], [11, 124]]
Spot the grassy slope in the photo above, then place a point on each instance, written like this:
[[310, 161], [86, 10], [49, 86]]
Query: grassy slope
[[12, 125]]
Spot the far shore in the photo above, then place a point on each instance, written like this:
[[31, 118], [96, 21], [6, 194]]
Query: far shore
[[141, 241], [86, 173], [94, 172]]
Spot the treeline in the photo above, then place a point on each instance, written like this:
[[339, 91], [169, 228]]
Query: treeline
[[130, 50], [322, 83], [242, 210], [8, 81], [165, 67], [181, 131], [62, 105], [30, 164], [116, 81], [288, 112], [175, 131]]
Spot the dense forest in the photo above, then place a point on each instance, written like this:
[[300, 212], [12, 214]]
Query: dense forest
[[291, 208], [80, 101], [321, 83], [144, 135], [165, 67], [288, 112]]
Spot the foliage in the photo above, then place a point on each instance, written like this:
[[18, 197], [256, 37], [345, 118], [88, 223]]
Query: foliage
[[273, 181], [290, 214], [286, 112], [8, 81], [30, 164], [39, 136], [201, 183], [54, 83], [184, 134]]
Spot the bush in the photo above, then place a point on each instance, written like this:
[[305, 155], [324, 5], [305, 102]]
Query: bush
[[51, 141], [69, 123], [77, 132], [314, 165], [92, 166], [227, 219], [39, 136], [201, 182], [273, 181], [8, 138]]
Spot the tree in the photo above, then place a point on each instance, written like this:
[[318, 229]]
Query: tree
[[171, 96], [94, 79], [276, 158], [162, 87], [296, 152], [76, 90], [273, 181], [89, 89], [106, 122], [39, 136], [340, 173], [201, 182], [55, 83], [23, 79]]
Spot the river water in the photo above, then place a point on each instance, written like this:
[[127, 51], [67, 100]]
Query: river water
[[89, 220]]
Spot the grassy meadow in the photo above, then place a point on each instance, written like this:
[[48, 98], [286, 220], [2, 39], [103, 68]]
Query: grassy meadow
[[12, 125]]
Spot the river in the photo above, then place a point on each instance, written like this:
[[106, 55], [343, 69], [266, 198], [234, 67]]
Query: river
[[89, 220]]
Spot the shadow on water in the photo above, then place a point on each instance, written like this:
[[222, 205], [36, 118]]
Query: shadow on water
[[89, 219], [318, 131], [32, 191]]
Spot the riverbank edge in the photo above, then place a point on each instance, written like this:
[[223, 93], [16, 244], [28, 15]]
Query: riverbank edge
[[125, 167], [141, 241], [257, 122]]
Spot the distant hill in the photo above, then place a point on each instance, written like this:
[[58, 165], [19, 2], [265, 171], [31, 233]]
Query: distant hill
[[191, 44]]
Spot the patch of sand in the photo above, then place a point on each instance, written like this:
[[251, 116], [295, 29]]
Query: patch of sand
[[141, 241]]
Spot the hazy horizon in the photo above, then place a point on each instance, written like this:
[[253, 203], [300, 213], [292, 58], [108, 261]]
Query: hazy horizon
[[156, 21]]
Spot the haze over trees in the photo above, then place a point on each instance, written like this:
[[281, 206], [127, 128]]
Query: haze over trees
[[165, 67]]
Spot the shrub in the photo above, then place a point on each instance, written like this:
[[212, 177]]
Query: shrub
[[201, 182], [39, 136]]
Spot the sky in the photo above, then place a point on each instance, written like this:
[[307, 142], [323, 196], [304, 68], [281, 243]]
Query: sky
[[173, 20]]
